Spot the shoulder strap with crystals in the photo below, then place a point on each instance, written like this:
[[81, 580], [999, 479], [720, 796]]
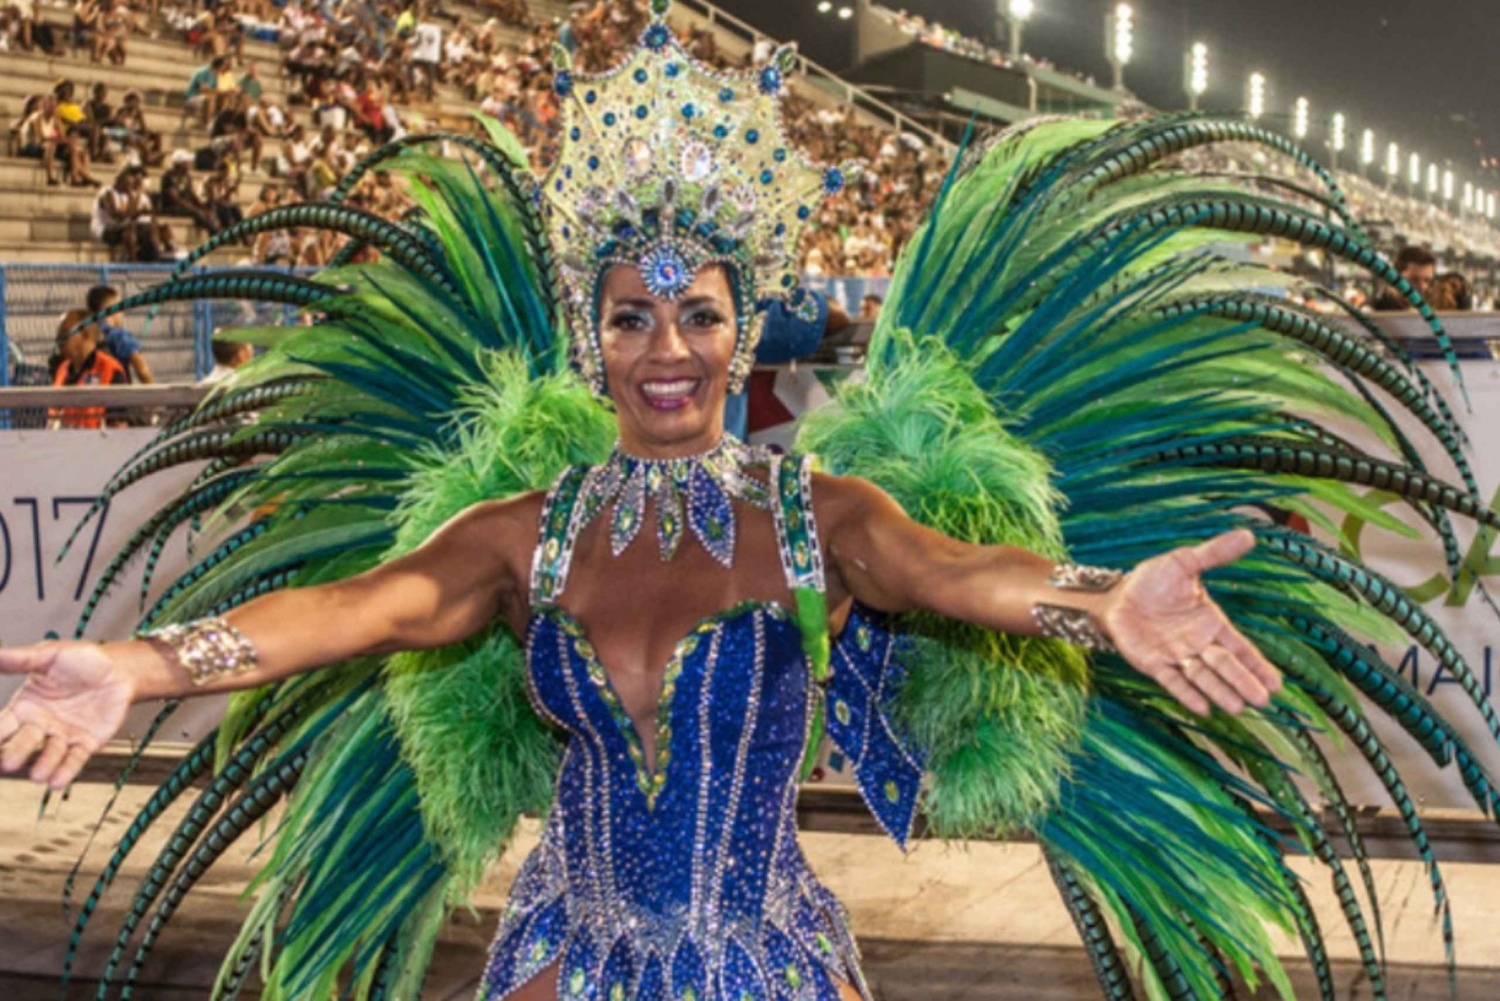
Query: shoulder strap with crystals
[[801, 556], [557, 532], [860, 677]]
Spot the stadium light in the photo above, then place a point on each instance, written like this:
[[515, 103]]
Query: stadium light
[[1300, 117], [1195, 73], [1415, 174], [1468, 195], [1447, 186], [825, 6], [845, 13], [1490, 205], [1432, 179], [1255, 96], [1337, 136], [1119, 40], [1367, 148], [1392, 160], [1020, 13]]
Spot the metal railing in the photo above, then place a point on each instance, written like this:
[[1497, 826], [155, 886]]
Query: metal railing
[[826, 79]]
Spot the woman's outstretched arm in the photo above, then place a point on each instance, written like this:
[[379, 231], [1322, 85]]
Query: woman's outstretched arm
[[1159, 617], [76, 694]]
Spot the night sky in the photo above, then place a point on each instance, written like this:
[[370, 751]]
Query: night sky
[[1424, 74]]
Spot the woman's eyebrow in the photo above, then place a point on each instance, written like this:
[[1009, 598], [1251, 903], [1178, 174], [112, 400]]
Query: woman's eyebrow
[[633, 303]]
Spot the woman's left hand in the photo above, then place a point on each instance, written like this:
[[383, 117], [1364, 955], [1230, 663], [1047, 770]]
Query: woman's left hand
[[1161, 619]]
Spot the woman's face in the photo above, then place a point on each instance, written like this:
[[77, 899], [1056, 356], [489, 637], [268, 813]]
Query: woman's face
[[666, 361]]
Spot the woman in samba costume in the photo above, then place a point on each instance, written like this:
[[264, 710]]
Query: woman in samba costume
[[447, 487]]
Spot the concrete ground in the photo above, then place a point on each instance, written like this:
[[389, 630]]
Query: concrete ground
[[945, 922]]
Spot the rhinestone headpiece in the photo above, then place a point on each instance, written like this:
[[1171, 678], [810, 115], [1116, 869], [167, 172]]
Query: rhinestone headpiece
[[670, 165]]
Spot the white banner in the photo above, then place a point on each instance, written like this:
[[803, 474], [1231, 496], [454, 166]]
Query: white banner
[[48, 479]]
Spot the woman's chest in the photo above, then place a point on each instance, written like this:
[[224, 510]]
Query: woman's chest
[[734, 688]]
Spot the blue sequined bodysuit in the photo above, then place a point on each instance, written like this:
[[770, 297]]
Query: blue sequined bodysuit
[[682, 878]]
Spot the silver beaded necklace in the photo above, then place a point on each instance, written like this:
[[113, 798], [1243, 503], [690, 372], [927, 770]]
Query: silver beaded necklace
[[696, 491]]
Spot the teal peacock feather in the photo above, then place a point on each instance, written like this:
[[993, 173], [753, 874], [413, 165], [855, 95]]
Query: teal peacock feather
[[1098, 944], [252, 803]]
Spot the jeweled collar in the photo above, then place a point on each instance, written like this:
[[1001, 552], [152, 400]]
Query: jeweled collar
[[696, 490]]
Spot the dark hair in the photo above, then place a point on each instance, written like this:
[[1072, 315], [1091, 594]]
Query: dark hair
[[95, 299], [225, 350], [1414, 256]]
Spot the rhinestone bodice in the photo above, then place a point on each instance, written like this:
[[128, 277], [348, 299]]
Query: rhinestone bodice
[[680, 877]]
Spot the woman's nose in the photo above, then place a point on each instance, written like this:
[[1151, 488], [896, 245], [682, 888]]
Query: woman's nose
[[667, 341]]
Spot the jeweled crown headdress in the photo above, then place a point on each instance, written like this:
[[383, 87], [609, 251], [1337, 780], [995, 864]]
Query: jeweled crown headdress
[[670, 165]]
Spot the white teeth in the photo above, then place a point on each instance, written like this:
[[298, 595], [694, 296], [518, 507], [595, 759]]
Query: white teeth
[[677, 387]]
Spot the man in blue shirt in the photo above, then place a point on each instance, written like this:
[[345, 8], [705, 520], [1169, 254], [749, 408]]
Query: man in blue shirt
[[118, 342], [785, 337]]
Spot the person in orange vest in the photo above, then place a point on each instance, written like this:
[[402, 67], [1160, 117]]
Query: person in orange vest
[[79, 361]]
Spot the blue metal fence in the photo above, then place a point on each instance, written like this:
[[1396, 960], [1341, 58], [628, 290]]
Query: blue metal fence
[[34, 298]]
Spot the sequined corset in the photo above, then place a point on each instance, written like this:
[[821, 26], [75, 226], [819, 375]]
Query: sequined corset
[[678, 878]]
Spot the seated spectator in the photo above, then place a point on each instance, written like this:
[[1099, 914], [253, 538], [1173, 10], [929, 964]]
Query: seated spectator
[[78, 360], [231, 133], [250, 82], [204, 90], [100, 116], [294, 159], [266, 122], [142, 145], [118, 342], [869, 306], [270, 198], [44, 136], [122, 218], [25, 31], [1450, 292], [228, 356], [85, 24], [109, 38], [178, 196], [222, 193]]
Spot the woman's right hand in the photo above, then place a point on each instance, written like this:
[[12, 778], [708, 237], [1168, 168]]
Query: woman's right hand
[[73, 700]]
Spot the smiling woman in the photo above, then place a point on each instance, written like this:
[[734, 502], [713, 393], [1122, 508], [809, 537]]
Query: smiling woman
[[667, 360], [456, 616]]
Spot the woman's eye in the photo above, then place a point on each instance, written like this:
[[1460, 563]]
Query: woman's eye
[[706, 318], [628, 321]]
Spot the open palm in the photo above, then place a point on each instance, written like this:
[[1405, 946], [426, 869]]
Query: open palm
[[1164, 623], [74, 700]]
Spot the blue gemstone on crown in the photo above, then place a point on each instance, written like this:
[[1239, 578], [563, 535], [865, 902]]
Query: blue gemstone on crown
[[720, 131], [656, 36], [833, 180], [779, 155], [665, 272], [562, 83], [575, 133], [640, 75], [640, 111], [593, 163], [609, 118], [803, 212], [590, 97], [766, 177], [770, 80], [726, 94], [687, 111], [672, 69]]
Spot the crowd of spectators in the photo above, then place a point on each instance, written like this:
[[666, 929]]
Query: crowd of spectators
[[935, 35], [359, 73]]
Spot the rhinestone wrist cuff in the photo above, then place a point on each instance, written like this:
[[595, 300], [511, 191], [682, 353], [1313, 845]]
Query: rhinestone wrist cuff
[[206, 649], [1075, 625]]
